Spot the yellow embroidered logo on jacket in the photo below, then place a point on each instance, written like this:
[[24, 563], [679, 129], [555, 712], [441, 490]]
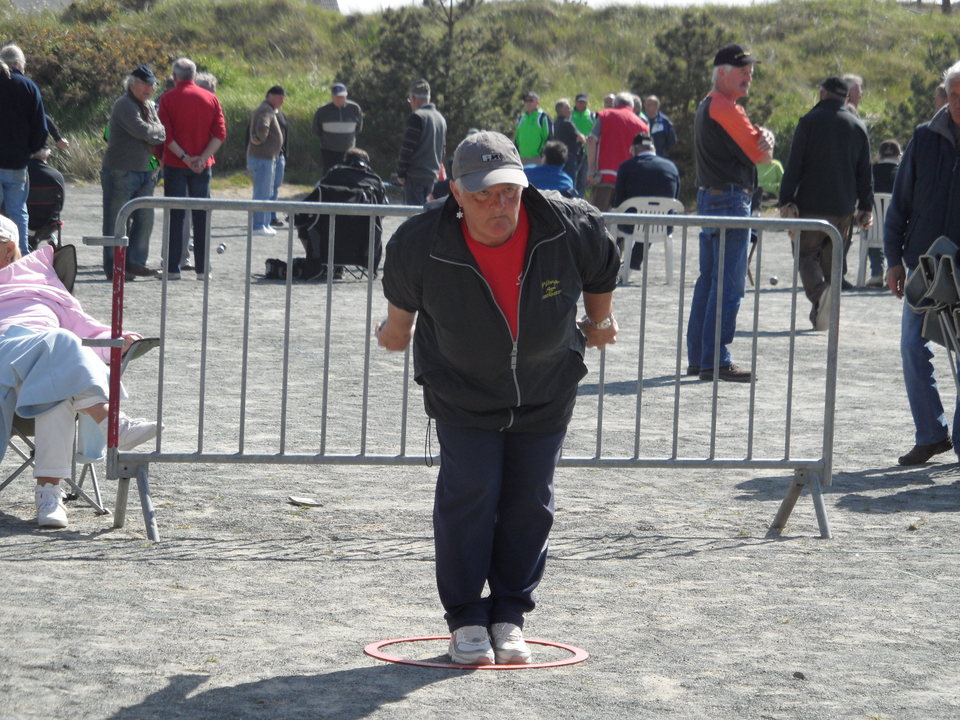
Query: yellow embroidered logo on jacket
[[551, 288]]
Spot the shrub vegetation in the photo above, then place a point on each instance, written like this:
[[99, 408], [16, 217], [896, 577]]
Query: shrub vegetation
[[479, 58]]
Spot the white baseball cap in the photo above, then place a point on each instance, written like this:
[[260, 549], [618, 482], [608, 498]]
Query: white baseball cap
[[8, 230]]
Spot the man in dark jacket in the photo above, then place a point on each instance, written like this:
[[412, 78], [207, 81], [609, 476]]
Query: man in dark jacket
[[424, 145], [23, 127], [492, 279], [925, 205], [827, 177]]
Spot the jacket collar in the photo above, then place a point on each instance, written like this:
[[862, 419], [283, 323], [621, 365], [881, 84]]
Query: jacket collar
[[545, 224], [942, 124]]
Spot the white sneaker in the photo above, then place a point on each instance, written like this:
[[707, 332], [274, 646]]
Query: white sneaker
[[264, 230], [875, 281], [133, 431], [50, 510], [509, 646], [822, 321], [470, 645]]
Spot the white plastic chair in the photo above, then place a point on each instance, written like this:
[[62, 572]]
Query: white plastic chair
[[873, 238], [647, 205]]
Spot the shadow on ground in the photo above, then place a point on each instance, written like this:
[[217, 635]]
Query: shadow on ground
[[930, 488], [344, 694]]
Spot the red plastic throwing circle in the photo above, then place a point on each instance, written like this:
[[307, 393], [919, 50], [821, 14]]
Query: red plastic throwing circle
[[375, 650]]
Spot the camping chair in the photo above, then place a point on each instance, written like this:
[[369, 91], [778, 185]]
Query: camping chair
[[65, 265], [657, 233], [873, 238], [45, 203]]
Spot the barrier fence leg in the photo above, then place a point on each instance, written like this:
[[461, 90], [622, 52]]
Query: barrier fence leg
[[120, 508], [146, 504], [802, 478]]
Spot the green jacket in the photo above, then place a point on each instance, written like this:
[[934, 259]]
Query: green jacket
[[533, 131]]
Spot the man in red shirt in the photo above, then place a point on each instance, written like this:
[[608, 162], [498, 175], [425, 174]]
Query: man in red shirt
[[195, 129], [608, 146]]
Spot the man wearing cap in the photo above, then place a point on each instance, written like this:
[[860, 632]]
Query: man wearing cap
[[925, 206], [195, 129], [134, 138], [23, 127], [492, 278], [337, 124], [609, 145], [424, 145], [533, 129], [661, 127], [263, 147], [645, 175], [827, 177], [727, 148]]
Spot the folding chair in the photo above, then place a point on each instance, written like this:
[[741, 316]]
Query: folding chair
[[65, 265], [657, 233], [873, 238]]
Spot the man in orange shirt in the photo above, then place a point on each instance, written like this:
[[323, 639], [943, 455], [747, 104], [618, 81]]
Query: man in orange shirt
[[728, 148]]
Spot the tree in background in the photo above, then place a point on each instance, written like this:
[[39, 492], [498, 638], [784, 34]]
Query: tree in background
[[678, 72], [471, 83]]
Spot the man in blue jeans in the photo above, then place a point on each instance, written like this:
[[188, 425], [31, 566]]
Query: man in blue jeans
[[728, 148], [925, 205], [195, 130], [23, 129]]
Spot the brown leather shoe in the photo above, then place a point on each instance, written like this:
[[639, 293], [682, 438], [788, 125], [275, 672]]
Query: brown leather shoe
[[728, 373], [920, 454]]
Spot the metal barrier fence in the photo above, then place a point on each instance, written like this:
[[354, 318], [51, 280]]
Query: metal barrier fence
[[361, 412]]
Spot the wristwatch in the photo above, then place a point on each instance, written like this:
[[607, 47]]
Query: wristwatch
[[604, 324]]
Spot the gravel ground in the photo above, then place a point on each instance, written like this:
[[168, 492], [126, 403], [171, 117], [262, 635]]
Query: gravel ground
[[251, 607]]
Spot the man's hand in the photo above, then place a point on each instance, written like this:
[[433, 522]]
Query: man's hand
[[896, 277], [767, 140], [865, 219], [395, 331], [599, 337]]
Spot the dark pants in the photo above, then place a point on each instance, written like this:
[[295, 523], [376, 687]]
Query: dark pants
[[816, 256], [492, 516], [181, 182]]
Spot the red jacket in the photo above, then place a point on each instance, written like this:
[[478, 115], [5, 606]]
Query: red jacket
[[191, 116], [618, 127]]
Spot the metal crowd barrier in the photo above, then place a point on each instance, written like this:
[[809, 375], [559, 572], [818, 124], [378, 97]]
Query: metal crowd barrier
[[282, 419]]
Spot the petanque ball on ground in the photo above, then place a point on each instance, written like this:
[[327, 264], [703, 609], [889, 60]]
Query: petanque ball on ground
[[774, 279]]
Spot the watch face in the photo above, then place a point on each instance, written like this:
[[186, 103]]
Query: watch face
[[605, 323]]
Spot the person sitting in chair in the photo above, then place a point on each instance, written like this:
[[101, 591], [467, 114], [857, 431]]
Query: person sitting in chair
[[46, 373]]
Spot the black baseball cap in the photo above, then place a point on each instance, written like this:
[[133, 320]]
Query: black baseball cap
[[143, 72], [836, 86], [735, 55]]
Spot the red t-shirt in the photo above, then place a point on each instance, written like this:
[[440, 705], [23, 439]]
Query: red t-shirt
[[502, 267]]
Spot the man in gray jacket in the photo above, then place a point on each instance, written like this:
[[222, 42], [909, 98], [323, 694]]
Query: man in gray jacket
[[827, 177], [130, 168], [337, 124], [424, 145], [263, 147]]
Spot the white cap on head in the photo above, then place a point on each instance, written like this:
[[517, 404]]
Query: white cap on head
[[8, 230]]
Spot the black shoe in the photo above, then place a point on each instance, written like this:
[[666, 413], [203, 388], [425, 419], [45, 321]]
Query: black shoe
[[922, 453], [846, 285], [140, 270], [276, 222], [693, 370], [729, 373]]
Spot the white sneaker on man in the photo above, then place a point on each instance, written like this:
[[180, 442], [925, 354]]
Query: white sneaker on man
[[50, 510], [133, 431], [509, 647], [470, 645], [264, 230]]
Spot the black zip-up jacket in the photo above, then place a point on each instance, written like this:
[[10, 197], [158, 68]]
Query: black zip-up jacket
[[472, 371], [828, 172]]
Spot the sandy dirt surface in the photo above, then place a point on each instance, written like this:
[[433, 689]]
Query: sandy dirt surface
[[251, 607]]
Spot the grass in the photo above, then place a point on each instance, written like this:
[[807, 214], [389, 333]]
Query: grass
[[252, 44]]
